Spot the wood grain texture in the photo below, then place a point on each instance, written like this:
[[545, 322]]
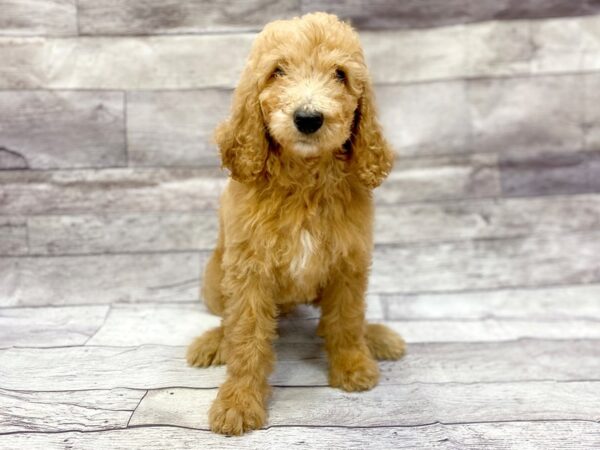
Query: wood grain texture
[[46, 327], [434, 118], [59, 411], [554, 46], [197, 189], [121, 232], [543, 47], [568, 435], [559, 303], [491, 330], [395, 56], [129, 325], [518, 262], [389, 14], [502, 49], [12, 159], [143, 324], [543, 173], [383, 14], [108, 17], [531, 312], [139, 325], [425, 118], [441, 178], [436, 267], [13, 236], [487, 218], [175, 128], [153, 17], [33, 17], [299, 364], [404, 405], [394, 224], [109, 190], [62, 129], [175, 62], [592, 112], [527, 114], [26, 281], [484, 50]]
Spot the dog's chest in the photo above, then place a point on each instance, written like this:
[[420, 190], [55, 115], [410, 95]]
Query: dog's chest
[[302, 259]]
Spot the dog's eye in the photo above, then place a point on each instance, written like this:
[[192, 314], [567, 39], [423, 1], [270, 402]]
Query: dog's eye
[[340, 75], [278, 72]]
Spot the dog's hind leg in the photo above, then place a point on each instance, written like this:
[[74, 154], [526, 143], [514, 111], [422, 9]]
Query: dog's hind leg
[[384, 343], [207, 349], [211, 290], [211, 284]]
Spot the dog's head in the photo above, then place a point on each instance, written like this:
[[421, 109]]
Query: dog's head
[[305, 90]]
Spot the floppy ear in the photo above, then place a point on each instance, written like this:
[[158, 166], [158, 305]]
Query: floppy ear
[[242, 138], [372, 158]]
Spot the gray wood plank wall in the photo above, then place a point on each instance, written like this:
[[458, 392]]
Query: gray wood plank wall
[[107, 112], [97, 17]]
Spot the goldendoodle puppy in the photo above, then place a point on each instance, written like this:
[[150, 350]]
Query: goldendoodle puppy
[[305, 151]]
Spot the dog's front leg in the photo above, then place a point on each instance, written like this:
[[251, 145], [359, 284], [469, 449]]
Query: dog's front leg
[[351, 366], [250, 326]]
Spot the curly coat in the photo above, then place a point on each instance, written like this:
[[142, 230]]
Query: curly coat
[[296, 218]]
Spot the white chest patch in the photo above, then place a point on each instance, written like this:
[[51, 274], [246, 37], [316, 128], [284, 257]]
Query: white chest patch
[[302, 258]]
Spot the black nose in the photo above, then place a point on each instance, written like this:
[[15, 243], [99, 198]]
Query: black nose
[[308, 122]]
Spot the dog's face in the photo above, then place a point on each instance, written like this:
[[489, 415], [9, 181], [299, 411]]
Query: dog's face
[[314, 71], [308, 102], [305, 90]]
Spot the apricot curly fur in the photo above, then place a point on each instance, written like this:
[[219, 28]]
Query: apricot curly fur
[[296, 217]]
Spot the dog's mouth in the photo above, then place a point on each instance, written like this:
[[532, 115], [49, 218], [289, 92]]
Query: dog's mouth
[[306, 147]]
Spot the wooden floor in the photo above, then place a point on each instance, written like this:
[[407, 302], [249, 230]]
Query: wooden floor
[[498, 298]]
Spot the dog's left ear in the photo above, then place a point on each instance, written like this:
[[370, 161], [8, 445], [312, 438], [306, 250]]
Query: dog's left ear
[[372, 158]]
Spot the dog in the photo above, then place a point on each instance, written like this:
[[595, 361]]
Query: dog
[[304, 150]]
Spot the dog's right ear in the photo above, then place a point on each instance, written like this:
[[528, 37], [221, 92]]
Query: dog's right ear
[[242, 138]]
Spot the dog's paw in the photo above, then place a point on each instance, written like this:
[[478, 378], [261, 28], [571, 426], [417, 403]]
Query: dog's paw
[[207, 350], [235, 412], [384, 343], [353, 371]]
